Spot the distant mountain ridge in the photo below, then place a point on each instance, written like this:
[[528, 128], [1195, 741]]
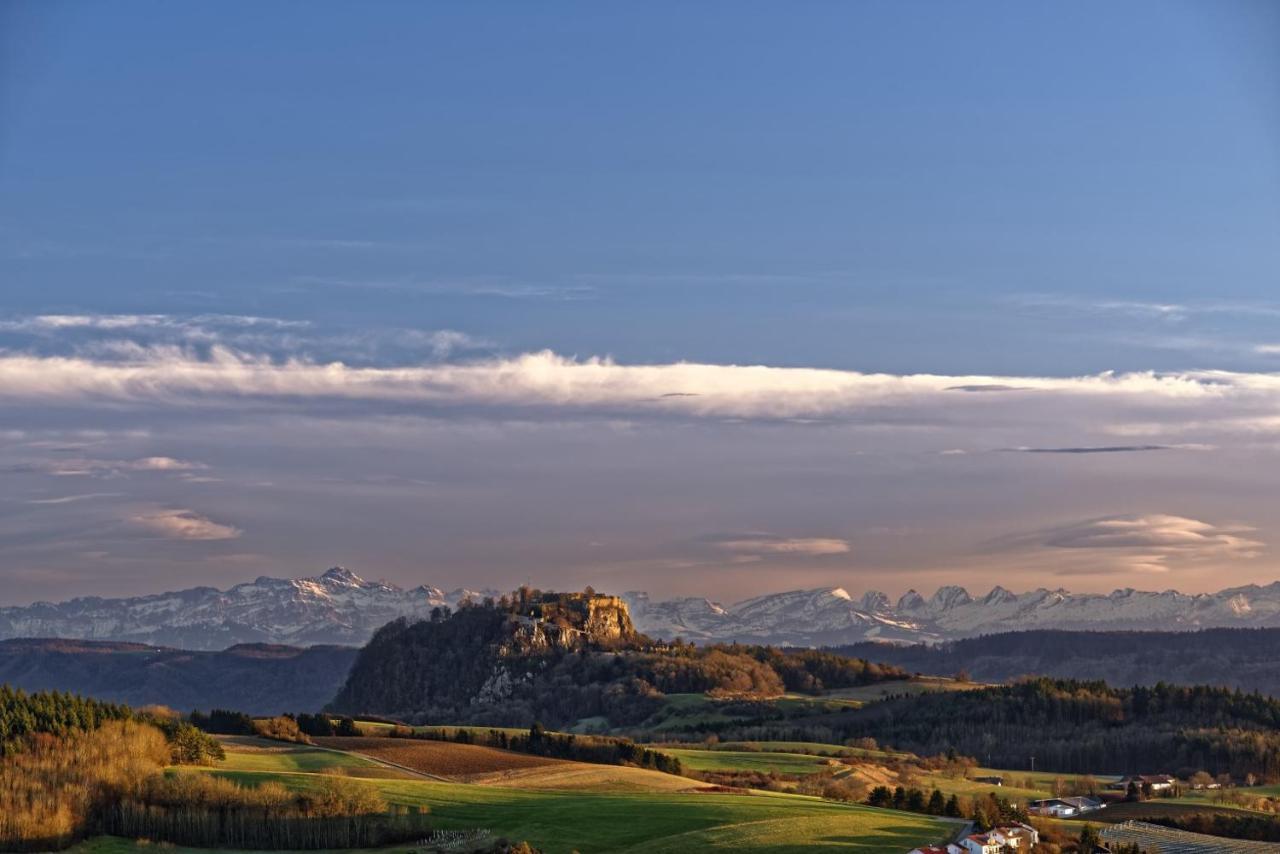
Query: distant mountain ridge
[[256, 678], [831, 616], [340, 607]]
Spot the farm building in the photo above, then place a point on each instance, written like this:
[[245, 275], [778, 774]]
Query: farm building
[[1083, 804], [1053, 808], [1064, 807], [1157, 782]]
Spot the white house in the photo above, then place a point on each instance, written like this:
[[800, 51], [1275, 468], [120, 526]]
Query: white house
[[981, 843], [949, 848], [1020, 837]]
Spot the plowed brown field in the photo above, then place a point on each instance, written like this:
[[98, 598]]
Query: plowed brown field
[[438, 758], [488, 766]]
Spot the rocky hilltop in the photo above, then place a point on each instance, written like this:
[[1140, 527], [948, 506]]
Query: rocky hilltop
[[589, 617], [565, 659], [488, 662]]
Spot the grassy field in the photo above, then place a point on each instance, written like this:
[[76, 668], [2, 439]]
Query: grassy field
[[116, 845], [438, 758], [816, 748], [732, 760], [583, 776], [650, 822], [245, 753], [910, 687], [487, 766]]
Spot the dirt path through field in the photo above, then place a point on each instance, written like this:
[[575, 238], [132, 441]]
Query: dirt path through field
[[414, 771]]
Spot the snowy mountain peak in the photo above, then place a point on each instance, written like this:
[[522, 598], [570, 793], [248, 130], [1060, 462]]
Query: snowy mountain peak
[[999, 596], [949, 597], [873, 601], [342, 575], [911, 601]]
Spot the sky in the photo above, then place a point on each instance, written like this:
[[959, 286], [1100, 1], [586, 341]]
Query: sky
[[706, 299]]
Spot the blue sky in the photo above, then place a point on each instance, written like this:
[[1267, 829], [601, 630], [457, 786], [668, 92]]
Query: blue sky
[[1001, 190]]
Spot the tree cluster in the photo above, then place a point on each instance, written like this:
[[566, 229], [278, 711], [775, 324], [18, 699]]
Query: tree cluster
[[51, 712], [600, 750], [1085, 727]]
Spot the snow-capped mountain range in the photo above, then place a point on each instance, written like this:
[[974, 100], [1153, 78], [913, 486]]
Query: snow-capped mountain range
[[830, 616], [340, 607]]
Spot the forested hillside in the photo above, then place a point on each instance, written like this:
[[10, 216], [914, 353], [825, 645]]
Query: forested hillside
[[258, 678], [1084, 727], [51, 713], [503, 663], [1235, 658]]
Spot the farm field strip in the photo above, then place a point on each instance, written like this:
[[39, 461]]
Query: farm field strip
[[245, 753], [1169, 841], [560, 821], [489, 766], [727, 760]]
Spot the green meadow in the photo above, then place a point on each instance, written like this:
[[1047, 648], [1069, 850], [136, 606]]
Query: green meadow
[[588, 822]]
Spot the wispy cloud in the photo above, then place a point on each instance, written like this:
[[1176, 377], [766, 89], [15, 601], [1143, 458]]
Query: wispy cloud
[[1149, 309], [1097, 449], [760, 544], [87, 467], [177, 524], [71, 499], [1145, 542], [51, 323], [476, 287]]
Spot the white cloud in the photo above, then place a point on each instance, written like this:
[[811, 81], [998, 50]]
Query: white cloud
[[1145, 542], [172, 374], [132, 322], [756, 545], [70, 499], [110, 468], [163, 464], [444, 342], [185, 525]]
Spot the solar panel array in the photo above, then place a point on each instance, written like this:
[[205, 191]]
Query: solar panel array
[[1166, 840]]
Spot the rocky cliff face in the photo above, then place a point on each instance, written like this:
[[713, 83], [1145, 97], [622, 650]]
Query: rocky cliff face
[[575, 620], [493, 662]]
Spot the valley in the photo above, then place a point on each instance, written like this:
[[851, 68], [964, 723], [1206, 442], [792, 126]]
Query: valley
[[549, 717]]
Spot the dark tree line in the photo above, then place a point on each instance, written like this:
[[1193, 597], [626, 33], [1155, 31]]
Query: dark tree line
[[1085, 727], [1245, 658], [222, 722], [600, 750], [211, 812], [51, 712]]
